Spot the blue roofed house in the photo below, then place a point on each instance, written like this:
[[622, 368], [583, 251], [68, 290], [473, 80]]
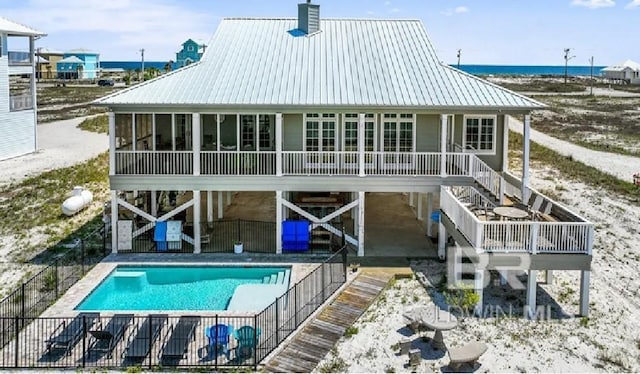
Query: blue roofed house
[[326, 113], [18, 120], [79, 64], [191, 52]]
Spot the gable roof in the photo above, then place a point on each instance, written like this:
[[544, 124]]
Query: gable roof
[[14, 28], [628, 64], [349, 63], [71, 60]]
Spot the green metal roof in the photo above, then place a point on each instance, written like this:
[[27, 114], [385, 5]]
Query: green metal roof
[[349, 63]]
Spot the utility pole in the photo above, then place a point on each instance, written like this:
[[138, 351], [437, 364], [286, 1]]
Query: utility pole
[[566, 63], [591, 81], [142, 54], [459, 54]]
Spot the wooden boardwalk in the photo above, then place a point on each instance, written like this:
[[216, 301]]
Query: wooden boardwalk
[[303, 353]]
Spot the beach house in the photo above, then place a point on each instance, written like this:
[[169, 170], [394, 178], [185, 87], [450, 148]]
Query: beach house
[[17, 89], [47, 59], [625, 72], [79, 64], [191, 52], [321, 115]]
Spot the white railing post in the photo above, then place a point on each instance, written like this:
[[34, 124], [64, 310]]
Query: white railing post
[[112, 143], [443, 145], [195, 123], [197, 246], [279, 144], [114, 221], [533, 238], [361, 144], [279, 211], [525, 158]]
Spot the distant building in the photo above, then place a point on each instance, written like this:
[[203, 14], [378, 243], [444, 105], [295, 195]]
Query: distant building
[[79, 64], [625, 72], [46, 63], [17, 89], [191, 52]]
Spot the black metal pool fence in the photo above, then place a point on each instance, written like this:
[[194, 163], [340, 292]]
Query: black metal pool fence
[[92, 340]]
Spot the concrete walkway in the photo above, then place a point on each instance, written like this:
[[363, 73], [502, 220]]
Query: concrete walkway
[[621, 166], [60, 144]]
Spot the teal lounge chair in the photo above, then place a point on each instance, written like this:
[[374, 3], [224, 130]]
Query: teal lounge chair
[[247, 338]]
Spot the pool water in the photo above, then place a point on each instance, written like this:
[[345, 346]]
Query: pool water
[[166, 288]]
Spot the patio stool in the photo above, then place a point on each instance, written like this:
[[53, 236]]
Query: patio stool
[[468, 353], [414, 357]]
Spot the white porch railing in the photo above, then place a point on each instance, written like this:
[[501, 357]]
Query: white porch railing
[[154, 162], [485, 176], [517, 236], [238, 163], [20, 102], [320, 163]]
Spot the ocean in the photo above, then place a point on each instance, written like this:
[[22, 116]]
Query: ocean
[[529, 70], [471, 69]]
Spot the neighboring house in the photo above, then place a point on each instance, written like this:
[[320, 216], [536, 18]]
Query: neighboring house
[[17, 89], [79, 64], [327, 111], [47, 66], [625, 72], [191, 52]]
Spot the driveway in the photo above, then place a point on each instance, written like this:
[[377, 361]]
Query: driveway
[[60, 144]]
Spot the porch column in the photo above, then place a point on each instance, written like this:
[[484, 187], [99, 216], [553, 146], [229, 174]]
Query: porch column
[[585, 277], [412, 200], [154, 203], [361, 144], [443, 146], [505, 155], [229, 194], [452, 141], [524, 190], [530, 307], [34, 89], [220, 205], [209, 206], [419, 208], [195, 140], [479, 289], [196, 222], [279, 144], [442, 241], [360, 223], [279, 209], [114, 220], [354, 213], [112, 143], [548, 276], [429, 209]]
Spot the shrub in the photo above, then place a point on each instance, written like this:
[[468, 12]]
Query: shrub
[[350, 331], [462, 296]]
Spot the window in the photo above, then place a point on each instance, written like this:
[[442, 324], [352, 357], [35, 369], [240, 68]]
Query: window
[[320, 132], [398, 132], [480, 133], [183, 132], [351, 132], [124, 132], [266, 123], [143, 132], [248, 132]]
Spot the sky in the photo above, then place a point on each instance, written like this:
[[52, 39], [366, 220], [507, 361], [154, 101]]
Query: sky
[[496, 32]]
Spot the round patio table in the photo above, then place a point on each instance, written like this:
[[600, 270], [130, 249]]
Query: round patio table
[[510, 212], [439, 320]]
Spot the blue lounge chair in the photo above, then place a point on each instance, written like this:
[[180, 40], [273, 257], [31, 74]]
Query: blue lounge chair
[[218, 336], [247, 338]]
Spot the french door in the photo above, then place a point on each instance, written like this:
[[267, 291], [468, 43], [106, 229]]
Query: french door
[[320, 139], [398, 140], [350, 138]]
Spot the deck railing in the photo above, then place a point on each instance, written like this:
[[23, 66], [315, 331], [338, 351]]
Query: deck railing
[[154, 162], [20, 102], [156, 340], [516, 236], [237, 163]]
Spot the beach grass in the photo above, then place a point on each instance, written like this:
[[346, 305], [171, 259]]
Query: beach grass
[[98, 124]]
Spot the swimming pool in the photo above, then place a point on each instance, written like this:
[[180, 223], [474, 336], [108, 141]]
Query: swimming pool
[[201, 288]]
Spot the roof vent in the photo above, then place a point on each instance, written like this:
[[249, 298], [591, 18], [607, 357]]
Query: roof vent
[[309, 17]]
